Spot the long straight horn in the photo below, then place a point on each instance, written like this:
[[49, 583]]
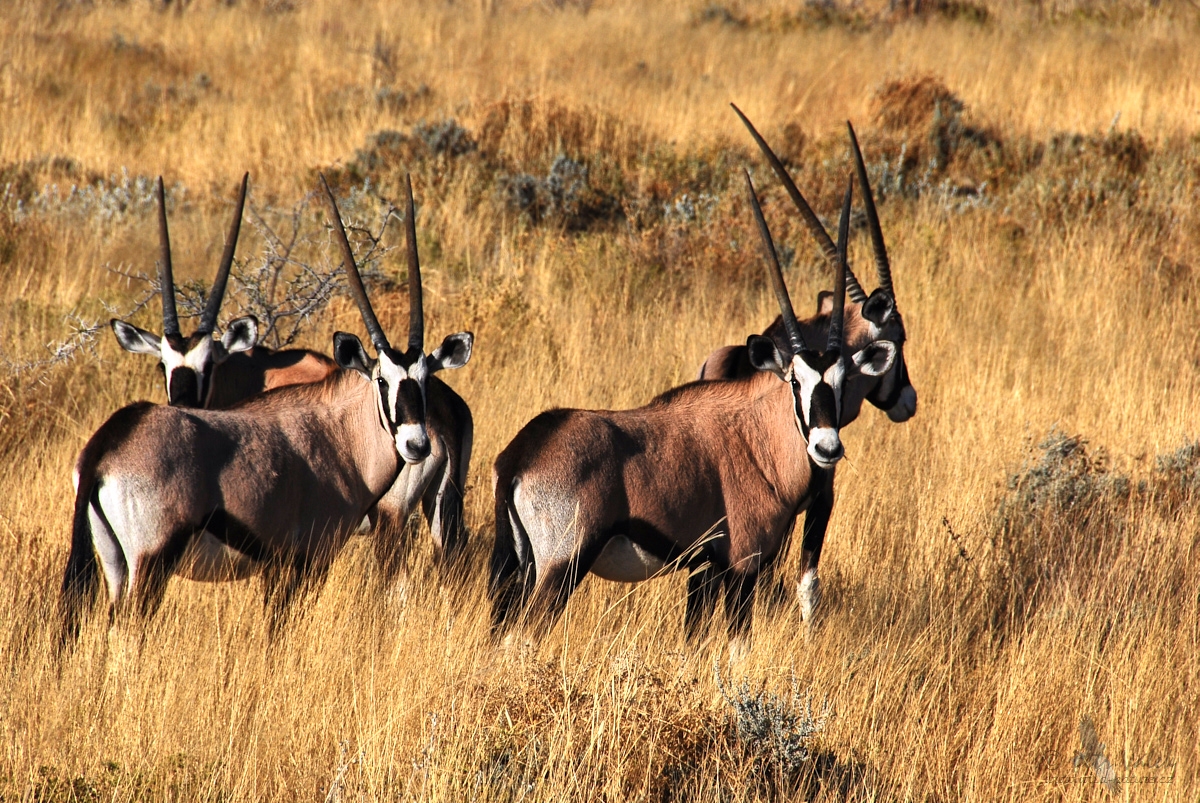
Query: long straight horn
[[166, 279], [416, 310], [814, 225], [209, 321], [837, 319], [776, 274], [352, 277], [882, 267]]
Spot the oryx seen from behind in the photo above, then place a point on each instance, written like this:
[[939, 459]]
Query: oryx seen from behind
[[708, 477], [284, 478], [201, 371], [868, 319]]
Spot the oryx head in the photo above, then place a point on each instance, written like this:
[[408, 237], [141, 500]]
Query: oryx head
[[399, 376], [890, 391], [817, 378], [188, 363]]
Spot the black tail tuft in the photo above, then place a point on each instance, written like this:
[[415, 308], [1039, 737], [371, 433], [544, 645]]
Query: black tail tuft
[[510, 576], [82, 576]]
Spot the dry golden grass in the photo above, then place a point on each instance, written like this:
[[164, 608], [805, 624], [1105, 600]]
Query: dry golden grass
[[955, 666]]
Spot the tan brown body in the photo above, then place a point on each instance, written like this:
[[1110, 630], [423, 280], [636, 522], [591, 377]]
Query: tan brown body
[[284, 478]]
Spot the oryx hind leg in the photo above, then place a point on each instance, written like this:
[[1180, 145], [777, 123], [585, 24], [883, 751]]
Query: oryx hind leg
[[155, 570], [113, 563], [94, 551], [556, 581], [739, 609], [511, 574]]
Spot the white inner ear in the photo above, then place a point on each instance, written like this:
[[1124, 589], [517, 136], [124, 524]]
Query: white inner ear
[[242, 335], [135, 340], [868, 361]]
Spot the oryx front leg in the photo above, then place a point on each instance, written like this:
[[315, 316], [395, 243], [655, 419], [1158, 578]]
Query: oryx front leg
[[816, 522]]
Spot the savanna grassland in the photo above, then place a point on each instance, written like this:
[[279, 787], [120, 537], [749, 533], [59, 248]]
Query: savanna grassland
[[1020, 556]]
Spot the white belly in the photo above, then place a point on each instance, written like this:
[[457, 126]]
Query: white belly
[[625, 562]]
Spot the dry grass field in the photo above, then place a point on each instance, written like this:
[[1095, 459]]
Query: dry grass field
[[1021, 556]]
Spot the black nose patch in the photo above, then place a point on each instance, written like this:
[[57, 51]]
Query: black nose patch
[[183, 389], [410, 403], [823, 409]]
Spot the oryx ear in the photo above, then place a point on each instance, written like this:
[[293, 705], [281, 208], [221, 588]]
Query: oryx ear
[[825, 303], [876, 359], [240, 335], [348, 353], [765, 356], [879, 307], [453, 353], [139, 341]]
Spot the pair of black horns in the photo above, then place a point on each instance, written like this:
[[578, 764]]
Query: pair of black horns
[[882, 266], [790, 324], [416, 313], [166, 278]]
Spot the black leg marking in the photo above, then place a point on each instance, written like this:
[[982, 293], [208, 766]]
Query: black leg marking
[[739, 603], [702, 587], [392, 542], [816, 522]]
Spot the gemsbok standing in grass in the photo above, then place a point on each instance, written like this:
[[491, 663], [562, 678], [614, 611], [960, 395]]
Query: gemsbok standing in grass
[[708, 476], [201, 371], [868, 319], [283, 478]]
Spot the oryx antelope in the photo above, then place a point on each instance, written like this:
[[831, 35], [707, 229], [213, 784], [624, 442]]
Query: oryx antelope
[[708, 476], [868, 319], [283, 478], [216, 374]]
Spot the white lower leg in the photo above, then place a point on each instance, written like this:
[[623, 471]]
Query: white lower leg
[[809, 591]]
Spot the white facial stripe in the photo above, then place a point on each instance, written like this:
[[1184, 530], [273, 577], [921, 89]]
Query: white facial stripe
[[200, 357], [393, 374], [199, 360], [834, 376], [808, 379], [171, 359]]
